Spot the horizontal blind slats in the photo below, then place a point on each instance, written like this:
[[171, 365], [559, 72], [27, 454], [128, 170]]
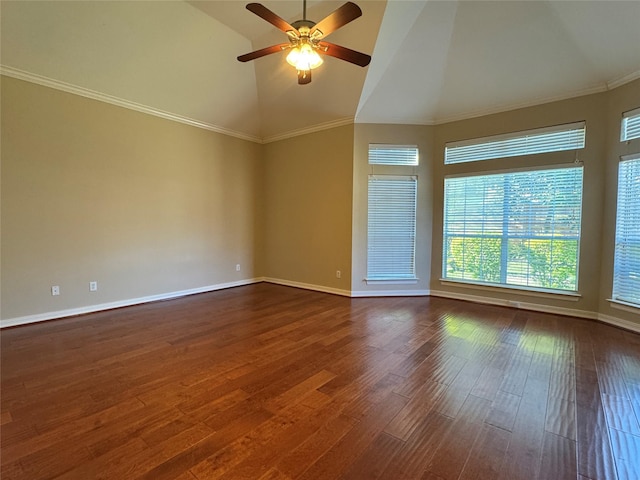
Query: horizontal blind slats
[[631, 126], [516, 144], [518, 228], [391, 228], [626, 269], [393, 154]]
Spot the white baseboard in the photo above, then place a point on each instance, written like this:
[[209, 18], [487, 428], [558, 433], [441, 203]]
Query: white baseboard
[[41, 317], [538, 307], [619, 322], [308, 286], [390, 293]]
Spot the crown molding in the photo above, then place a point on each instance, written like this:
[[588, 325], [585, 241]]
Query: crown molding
[[312, 129], [517, 106], [618, 82], [120, 102], [610, 85]]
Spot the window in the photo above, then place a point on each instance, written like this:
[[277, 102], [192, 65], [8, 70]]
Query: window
[[630, 125], [519, 228], [626, 267], [391, 228], [540, 140], [393, 154]]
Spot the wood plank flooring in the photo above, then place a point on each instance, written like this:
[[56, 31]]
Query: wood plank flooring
[[266, 382]]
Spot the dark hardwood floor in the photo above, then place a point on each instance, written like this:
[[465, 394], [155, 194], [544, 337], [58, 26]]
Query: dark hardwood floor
[[274, 383]]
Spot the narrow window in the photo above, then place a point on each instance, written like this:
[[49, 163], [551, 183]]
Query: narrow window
[[626, 269], [391, 228]]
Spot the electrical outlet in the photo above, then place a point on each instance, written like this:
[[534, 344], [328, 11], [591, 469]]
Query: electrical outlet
[[338, 274], [55, 290], [93, 286], [238, 267]]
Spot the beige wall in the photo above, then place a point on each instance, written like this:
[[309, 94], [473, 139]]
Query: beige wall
[[307, 201], [147, 206], [142, 205], [422, 136]]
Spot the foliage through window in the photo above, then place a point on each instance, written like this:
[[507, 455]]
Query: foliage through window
[[626, 270], [519, 228]]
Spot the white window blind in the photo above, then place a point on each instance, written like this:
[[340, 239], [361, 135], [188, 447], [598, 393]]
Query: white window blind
[[626, 269], [380, 154], [630, 125], [519, 228], [391, 227], [541, 140]]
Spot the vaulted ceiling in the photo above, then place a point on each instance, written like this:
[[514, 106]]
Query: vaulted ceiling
[[433, 61]]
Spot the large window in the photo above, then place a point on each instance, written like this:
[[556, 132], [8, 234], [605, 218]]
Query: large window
[[626, 270], [541, 140], [391, 228], [520, 228]]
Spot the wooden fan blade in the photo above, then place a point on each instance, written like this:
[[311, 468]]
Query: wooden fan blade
[[266, 14], [304, 77], [344, 53], [263, 51], [340, 17]]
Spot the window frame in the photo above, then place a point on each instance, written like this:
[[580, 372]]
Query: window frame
[[622, 200], [521, 143], [630, 125], [378, 152], [375, 260], [505, 235]]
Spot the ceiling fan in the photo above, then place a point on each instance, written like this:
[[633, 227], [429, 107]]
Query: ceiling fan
[[306, 39]]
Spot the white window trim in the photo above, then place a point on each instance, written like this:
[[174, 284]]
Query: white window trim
[[403, 281], [396, 279], [384, 146], [573, 296], [625, 306], [524, 288], [616, 302], [623, 130]]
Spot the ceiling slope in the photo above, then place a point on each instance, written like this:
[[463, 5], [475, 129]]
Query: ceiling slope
[[433, 61]]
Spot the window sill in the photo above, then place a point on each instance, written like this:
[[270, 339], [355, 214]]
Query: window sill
[[528, 291], [391, 281], [622, 305]]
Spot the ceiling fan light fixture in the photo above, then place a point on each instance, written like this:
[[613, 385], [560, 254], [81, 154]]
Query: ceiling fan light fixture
[[306, 39], [304, 57]]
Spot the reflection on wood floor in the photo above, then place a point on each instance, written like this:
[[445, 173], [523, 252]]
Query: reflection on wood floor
[[270, 382]]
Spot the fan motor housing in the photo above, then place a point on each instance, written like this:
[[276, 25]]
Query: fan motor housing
[[303, 23]]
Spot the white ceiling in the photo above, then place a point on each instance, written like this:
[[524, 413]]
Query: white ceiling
[[433, 61]]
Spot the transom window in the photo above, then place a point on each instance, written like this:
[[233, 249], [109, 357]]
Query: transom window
[[540, 140], [380, 154], [630, 125]]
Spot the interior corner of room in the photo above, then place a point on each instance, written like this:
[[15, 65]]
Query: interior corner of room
[[114, 204]]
